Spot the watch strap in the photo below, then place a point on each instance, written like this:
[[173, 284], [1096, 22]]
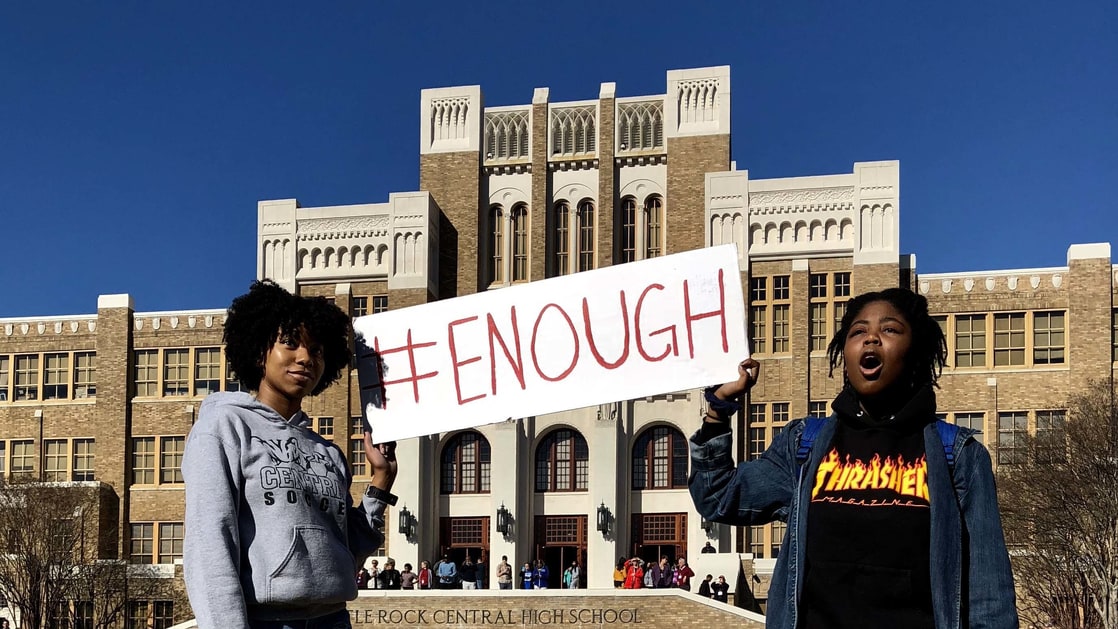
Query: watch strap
[[376, 493]]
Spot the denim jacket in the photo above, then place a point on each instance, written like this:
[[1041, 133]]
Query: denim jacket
[[972, 583]]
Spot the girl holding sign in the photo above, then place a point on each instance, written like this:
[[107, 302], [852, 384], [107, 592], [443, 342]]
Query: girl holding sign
[[273, 538], [892, 518]]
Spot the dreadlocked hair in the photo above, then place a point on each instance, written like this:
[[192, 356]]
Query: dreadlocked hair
[[266, 313], [928, 353]]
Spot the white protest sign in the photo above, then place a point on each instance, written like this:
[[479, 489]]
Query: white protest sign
[[626, 331]]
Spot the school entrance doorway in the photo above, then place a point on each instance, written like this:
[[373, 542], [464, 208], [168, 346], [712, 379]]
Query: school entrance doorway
[[561, 540], [658, 534], [459, 537]]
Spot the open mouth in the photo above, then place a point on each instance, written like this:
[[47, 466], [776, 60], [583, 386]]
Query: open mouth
[[870, 366]]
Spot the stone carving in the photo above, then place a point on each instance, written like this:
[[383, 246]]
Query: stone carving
[[1057, 280], [799, 197], [174, 323], [924, 286], [274, 227], [945, 286], [155, 323], [989, 283], [343, 224], [968, 284], [1012, 282], [138, 324], [73, 326], [23, 327], [92, 325], [191, 321]]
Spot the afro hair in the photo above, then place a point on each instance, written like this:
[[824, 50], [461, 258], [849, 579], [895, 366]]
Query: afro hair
[[266, 313]]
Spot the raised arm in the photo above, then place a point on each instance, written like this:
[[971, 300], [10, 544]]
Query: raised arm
[[754, 492], [366, 522]]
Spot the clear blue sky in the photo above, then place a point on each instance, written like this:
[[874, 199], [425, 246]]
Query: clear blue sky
[[136, 137]]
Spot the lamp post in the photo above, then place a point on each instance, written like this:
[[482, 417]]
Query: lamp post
[[504, 520], [604, 517], [405, 522]]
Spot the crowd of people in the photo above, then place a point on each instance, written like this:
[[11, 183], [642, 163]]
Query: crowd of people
[[446, 574], [636, 573]]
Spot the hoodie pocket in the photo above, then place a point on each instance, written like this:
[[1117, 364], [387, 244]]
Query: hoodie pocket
[[318, 568]]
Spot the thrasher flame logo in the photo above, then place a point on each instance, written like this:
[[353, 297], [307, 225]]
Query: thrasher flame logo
[[888, 482]]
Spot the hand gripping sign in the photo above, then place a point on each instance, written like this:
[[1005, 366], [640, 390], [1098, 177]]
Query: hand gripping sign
[[628, 331]]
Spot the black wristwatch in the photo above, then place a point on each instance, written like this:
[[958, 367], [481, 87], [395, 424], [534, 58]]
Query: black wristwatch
[[376, 493]]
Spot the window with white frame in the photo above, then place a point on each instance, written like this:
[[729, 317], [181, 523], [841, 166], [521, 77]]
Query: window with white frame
[[176, 372], [496, 244], [27, 377], [508, 244], [146, 548], [146, 372], [653, 227], [166, 469], [85, 375], [628, 243], [1048, 338], [380, 303], [170, 460], [207, 370], [83, 460], [561, 237], [519, 243], [1051, 439], [1013, 429], [67, 460], [587, 230], [642, 231], [56, 376], [5, 369], [974, 421], [23, 458]]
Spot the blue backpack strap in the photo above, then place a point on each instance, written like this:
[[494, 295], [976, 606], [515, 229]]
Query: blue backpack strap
[[812, 425], [947, 435]]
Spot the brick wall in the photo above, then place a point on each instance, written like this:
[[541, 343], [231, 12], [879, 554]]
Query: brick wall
[[689, 160], [453, 179], [607, 174], [541, 196]]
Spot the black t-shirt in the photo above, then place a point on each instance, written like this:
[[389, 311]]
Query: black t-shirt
[[468, 572], [869, 524]]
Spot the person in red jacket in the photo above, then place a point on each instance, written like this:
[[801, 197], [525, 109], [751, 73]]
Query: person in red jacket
[[634, 574], [425, 576]]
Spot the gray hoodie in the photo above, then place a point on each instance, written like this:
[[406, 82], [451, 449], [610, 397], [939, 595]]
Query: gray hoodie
[[271, 530]]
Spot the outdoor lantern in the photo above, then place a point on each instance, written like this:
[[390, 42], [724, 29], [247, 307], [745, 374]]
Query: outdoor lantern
[[405, 522], [707, 525], [603, 518], [504, 521]]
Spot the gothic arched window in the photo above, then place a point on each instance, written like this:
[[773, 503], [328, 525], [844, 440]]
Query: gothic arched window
[[466, 464], [519, 243], [496, 244], [660, 459], [562, 462]]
